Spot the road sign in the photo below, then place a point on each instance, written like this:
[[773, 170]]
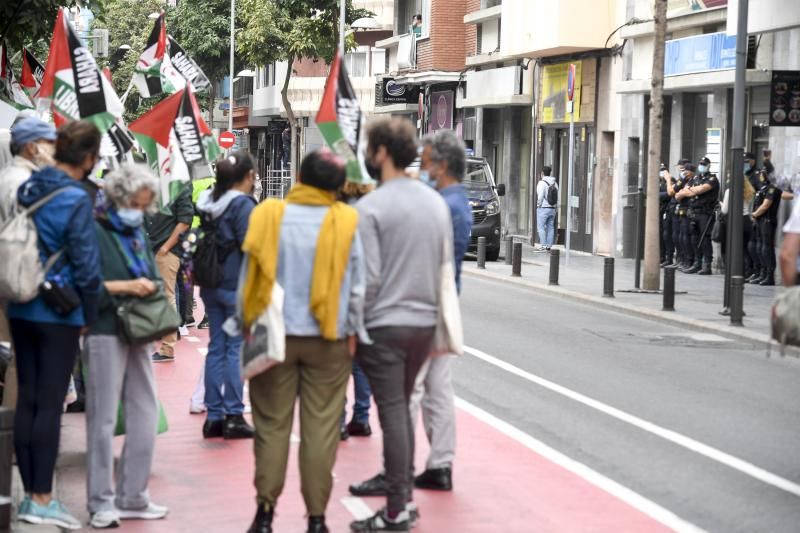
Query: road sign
[[571, 82], [227, 139]]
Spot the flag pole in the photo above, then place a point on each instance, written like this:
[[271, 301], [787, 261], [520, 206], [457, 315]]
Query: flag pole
[[128, 90], [341, 25], [230, 86]]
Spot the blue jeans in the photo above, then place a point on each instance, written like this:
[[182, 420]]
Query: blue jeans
[[546, 225], [222, 361], [363, 395]]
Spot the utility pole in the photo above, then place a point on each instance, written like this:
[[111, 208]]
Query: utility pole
[[736, 199], [652, 259], [342, 14], [230, 86]]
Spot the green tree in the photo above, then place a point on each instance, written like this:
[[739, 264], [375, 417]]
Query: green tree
[[29, 22], [286, 30]]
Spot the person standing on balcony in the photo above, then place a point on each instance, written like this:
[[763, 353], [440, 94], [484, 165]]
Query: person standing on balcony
[[416, 25]]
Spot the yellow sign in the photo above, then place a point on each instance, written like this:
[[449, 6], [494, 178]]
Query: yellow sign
[[554, 93]]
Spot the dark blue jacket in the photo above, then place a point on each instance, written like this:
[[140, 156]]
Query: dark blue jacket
[[232, 215], [66, 222], [461, 213]]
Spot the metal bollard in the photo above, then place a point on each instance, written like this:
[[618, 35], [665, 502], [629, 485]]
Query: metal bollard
[[509, 249], [608, 277], [482, 252], [669, 289], [516, 260], [6, 446], [554, 258]]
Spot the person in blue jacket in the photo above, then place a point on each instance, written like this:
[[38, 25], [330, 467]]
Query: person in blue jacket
[[46, 340], [228, 204]]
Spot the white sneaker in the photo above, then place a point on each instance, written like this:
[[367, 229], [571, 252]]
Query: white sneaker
[[104, 520], [196, 409], [151, 512], [183, 331]]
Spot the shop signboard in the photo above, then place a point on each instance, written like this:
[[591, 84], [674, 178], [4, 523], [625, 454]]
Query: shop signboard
[[700, 53], [396, 93], [555, 92], [784, 98], [441, 111]]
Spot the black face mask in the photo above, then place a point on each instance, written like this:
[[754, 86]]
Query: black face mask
[[373, 170]]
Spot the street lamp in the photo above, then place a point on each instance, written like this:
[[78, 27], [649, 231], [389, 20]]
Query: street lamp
[[365, 23]]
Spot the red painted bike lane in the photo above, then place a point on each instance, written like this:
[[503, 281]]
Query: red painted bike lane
[[501, 485]]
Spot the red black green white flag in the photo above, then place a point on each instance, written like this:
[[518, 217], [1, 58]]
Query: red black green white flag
[[10, 89], [73, 87], [154, 73], [32, 73], [177, 142], [185, 66], [341, 121]]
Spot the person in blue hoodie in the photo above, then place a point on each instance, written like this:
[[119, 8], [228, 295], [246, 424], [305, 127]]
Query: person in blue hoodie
[[46, 340], [229, 205]]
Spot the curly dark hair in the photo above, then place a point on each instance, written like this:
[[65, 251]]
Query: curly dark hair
[[397, 135]]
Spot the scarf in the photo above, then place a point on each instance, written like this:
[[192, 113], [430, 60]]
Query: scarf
[[130, 241], [330, 261]]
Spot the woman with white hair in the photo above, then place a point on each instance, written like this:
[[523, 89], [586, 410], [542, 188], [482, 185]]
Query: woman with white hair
[[118, 371]]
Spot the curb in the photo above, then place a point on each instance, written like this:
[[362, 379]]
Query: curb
[[671, 318]]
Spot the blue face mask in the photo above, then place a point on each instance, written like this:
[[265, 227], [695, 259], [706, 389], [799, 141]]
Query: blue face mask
[[425, 177], [702, 169], [132, 218], [747, 167]]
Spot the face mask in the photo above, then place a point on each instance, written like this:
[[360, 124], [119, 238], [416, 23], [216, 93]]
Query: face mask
[[44, 155], [132, 218], [702, 169], [747, 167], [661, 173], [373, 171], [683, 173], [425, 177]]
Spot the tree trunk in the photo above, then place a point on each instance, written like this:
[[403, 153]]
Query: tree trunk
[[652, 245], [287, 105]]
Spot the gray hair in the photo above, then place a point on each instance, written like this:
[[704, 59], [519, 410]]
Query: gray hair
[[447, 148], [125, 181]]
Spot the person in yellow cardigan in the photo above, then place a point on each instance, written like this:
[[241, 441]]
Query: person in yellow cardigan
[[309, 244]]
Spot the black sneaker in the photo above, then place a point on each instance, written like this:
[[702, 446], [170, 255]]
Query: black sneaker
[[262, 523], [203, 323], [316, 524], [236, 427], [161, 358], [435, 479], [343, 433], [359, 429], [375, 486], [189, 322], [213, 429], [381, 522]]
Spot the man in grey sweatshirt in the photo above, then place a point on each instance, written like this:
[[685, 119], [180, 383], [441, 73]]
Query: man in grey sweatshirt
[[403, 227]]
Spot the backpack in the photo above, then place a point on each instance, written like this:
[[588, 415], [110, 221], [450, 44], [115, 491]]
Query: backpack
[[552, 194], [208, 254], [785, 319], [23, 271]]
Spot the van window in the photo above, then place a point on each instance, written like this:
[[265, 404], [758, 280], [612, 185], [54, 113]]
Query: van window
[[476, 174]]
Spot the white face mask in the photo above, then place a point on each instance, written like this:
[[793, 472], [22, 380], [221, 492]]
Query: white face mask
[[44, 154]]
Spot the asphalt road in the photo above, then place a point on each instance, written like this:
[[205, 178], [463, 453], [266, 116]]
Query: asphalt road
[[705, 427]]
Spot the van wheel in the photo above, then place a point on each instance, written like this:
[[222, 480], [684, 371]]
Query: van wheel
[[492, 254]]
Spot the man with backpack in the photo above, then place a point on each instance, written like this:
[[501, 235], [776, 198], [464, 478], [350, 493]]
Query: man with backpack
[[546, 205]]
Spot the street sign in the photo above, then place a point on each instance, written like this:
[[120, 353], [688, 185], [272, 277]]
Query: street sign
[[571, 82], [227, 140]]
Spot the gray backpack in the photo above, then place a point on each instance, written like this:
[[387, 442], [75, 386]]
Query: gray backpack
[[22, 271], [785, 319]]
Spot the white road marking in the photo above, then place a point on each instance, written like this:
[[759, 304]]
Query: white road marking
[[191, 339], [667, 434], [635, 500], [357, 507], [203, 351]]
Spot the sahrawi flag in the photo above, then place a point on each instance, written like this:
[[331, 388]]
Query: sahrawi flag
[[177, 142], [10, 90], [73, 87], [154, 72], [186, 67], [32, 73], [341, 122]]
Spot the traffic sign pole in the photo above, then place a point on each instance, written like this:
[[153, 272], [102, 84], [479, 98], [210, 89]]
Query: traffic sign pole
[[227, 139], [571, 166]]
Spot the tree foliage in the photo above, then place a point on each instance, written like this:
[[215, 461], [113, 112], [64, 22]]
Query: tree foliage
[[30, 22]]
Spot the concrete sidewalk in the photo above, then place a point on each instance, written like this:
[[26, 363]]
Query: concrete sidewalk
[[698, 299]]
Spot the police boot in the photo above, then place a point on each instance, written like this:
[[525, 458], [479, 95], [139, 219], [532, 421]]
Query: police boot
[[768, 280], [684, 266], [706, 270], [696, 267], [756, 275]]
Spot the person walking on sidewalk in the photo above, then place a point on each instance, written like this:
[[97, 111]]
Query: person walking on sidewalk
[[308, 244], [164, 230], [406, 227], [546, 206], [117, 371], [227, 207], [443, 156], [359, 424], [33, 146], [46, 336]]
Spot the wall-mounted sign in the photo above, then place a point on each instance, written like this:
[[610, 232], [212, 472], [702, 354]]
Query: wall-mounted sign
[[700, 53], [441, 111], [396, 93], [555, 92], [784, 99]]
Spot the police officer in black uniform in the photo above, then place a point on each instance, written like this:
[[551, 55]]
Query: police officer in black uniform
[[663, 204], [703, 194], [682, 197], [765, 214], [672, 222]]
